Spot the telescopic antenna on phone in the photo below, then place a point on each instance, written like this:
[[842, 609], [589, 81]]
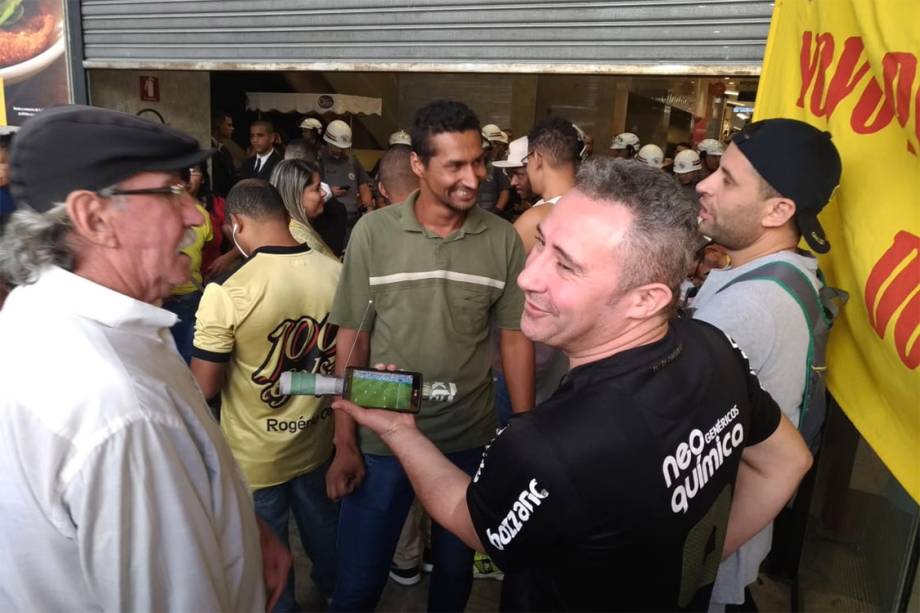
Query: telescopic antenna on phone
[[355, 341]]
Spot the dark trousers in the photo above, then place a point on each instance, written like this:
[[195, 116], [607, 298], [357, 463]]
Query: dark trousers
[[369, 526]]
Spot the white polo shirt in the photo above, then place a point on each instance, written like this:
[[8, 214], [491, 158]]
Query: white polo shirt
[[117, 491]]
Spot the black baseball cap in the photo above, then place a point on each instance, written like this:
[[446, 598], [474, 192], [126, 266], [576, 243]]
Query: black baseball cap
[[73, 147], [801, 163]]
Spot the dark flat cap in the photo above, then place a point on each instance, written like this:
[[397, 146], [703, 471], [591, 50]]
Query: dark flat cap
[[74, 147]]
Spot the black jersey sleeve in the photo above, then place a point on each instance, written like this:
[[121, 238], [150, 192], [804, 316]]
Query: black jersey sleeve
[[520, 501]]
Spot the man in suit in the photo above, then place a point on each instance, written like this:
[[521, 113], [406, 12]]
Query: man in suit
[[260, 165], [223, 170]]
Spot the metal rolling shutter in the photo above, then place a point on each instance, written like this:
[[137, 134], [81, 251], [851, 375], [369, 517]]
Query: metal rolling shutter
[[622, 36]]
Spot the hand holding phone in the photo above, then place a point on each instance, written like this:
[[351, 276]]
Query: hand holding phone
[[399, 392]]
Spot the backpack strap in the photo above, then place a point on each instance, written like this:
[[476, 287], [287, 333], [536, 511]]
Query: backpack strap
[[799, 286], [791, 279]]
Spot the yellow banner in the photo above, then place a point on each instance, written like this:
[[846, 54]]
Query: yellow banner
[[850, 67]]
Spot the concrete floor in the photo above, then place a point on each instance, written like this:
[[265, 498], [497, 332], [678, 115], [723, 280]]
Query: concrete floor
[[396, 598]]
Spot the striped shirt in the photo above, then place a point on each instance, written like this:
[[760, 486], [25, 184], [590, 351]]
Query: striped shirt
[[427, 302]]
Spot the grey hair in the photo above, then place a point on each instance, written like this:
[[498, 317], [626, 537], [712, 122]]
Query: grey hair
[[662, 239], [32, 242], [298, 150]]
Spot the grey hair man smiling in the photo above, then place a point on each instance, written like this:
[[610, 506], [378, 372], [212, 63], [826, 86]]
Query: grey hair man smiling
[[115, 481], [658, 453]]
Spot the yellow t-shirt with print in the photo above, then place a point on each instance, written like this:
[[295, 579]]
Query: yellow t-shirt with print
[[272, 316], [203, 234]]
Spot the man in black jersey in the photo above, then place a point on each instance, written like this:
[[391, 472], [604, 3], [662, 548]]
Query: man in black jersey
[[658, 454]]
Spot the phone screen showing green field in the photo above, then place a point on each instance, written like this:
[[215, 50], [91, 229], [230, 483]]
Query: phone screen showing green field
[[383, 390]]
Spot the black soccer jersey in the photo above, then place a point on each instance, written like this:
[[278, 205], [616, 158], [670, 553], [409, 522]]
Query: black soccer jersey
[[615, 493]]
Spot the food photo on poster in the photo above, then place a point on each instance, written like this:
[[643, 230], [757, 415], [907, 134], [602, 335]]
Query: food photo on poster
[[33, 69]]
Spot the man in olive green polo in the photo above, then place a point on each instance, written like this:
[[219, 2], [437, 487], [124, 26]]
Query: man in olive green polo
[[420, 283]]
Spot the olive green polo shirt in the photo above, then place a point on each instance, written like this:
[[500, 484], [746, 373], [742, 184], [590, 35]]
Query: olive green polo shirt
[[432, 300]]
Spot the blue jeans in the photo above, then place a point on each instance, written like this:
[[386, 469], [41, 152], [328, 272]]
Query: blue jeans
[[183, 331], [502, 400], [369, 528], [317, 519]]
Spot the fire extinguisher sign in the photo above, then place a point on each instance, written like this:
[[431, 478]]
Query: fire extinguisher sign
[[150, 89]]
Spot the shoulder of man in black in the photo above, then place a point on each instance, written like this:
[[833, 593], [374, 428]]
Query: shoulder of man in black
[[247, 168], [645, 446], [270, 163], [718, 368], [331, 225], [519, 498]]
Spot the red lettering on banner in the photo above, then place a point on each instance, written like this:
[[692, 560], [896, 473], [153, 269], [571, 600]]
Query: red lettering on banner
[[877, 104], [910, 145], [902, 289], [899, 70], [904, 328], [823, 54], [844, 80]]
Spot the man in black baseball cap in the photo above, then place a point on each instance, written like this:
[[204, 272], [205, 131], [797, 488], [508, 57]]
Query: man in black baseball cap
[[118, 482], [774, 179]]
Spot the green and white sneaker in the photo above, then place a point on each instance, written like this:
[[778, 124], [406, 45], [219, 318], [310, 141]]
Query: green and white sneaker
[[483, 568]]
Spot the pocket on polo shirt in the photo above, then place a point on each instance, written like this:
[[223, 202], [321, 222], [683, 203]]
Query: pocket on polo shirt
[[469, 308]]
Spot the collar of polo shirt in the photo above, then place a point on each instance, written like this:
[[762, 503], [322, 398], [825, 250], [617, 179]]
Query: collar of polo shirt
[[474, 223]]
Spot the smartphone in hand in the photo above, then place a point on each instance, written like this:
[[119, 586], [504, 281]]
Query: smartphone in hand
[[382, 389]]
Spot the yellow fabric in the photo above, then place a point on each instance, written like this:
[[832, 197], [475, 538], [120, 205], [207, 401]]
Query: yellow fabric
[[305, 234], [269, 317], [850, 67], [203, 234]]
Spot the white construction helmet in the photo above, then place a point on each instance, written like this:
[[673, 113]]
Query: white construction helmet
[[710, 146], [400, 137], [311, 123], [517, 151], [686, 161], [651, 155], [338, 134], [621, 141], [492, 132]]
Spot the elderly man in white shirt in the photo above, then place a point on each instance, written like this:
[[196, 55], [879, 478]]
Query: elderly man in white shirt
[[117, 490]]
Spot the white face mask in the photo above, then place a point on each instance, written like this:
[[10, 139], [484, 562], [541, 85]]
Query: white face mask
[[233, 236]]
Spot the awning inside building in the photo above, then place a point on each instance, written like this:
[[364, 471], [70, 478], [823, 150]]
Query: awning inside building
[[339, 104]]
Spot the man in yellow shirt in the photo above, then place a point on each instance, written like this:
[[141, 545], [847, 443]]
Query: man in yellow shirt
[[185, 298], [268, 317]]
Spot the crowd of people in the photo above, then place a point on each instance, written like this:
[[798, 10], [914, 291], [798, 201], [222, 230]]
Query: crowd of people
[[631, 366]]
